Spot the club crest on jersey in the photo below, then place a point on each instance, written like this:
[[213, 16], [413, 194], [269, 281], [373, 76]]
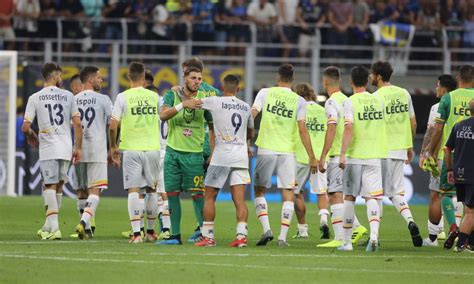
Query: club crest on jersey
[[189, 115], [187, 132]]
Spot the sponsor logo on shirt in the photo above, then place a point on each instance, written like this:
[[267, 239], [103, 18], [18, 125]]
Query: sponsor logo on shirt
[[280, 109], [187, 132]]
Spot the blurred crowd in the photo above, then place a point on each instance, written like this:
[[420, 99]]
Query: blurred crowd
[[342, 22]]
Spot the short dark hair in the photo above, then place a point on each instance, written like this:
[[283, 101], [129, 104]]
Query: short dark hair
[[74, 78], [285, 73], [448, 81], [360, 76], [49, 68], [135, 71], [192, 69], [466, 73], [152, 88], [149, 76], [231, 82], [332, 72], [194, 62], [384, 69], [87, 71]]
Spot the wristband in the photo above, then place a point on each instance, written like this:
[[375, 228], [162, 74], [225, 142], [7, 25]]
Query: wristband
[[179, 107]]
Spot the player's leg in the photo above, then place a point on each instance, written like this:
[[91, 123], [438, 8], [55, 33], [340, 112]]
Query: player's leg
[[239, 179], [351, 190], [435, 221], [163, 203], [151, 172], [263, 179], [447, 192], [464, 193], [319, 186], [50, 174], [302, 176], [215, 179], [286, 181], [193, 182], [372, 191], [173, 178], [458, 210], [393, 179]]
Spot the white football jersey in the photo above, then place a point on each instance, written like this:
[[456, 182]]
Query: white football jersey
[[54, 109], [232, 117], [95, 110]]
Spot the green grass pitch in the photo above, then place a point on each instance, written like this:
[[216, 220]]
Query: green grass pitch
[[110, 259]]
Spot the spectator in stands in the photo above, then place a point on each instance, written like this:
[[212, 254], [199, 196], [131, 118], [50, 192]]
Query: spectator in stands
[[222, 25], [239, 31], [381, 11], [287, 24], [428, 24], [112, 12], [468, 36], [73, 11], [27, 13], [311, 14], [47, 27], [264, 15], [450, 16], [181, 12], [203, 28], [361, 33], [93, 11], [340, 16], [406, 13], [7, 34], [161, 18], [138, 28]]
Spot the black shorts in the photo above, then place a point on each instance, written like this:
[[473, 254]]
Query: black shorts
[[465, 194]]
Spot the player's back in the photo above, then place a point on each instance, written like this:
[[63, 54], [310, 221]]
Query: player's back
[[231, 118], [54, 108], [95, 110]]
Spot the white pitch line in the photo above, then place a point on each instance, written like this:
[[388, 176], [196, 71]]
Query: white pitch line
[[232, 265], [448, 257]]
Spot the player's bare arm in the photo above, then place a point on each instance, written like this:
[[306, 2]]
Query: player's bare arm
[[328, 140], [250, 137], [31, 136], [169, 112], [212, 141], [436, 138], [346, 141], [76, 124], [306, 140], [114, 151]]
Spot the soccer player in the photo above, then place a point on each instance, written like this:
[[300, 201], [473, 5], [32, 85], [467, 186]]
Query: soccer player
[[283, 114], [75, 84], [400, 124], [446, 83], [206, 90], [364, 144], [54, 109], [95, 109], [163, 206], [453, 107], [136, 110], [332, 147], [461, 172], [316, 126], [184, 161], [233, 128]]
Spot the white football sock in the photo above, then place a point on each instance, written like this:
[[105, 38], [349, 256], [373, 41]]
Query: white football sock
[[441, 223], [207, 229], [160, 205], [286, 214], [261, 208], [46, 226], [59, 199], [151, 210], [356, 220], [89, 212], [459, 211], [141, 204], [402, 207], [323, 217], [373, 214], [81, 204], [303, 229], [242, 230], [134, 211], [165, 217], [52, 211], [433, 229], [348, 220], [336, 220], [380, 202]]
